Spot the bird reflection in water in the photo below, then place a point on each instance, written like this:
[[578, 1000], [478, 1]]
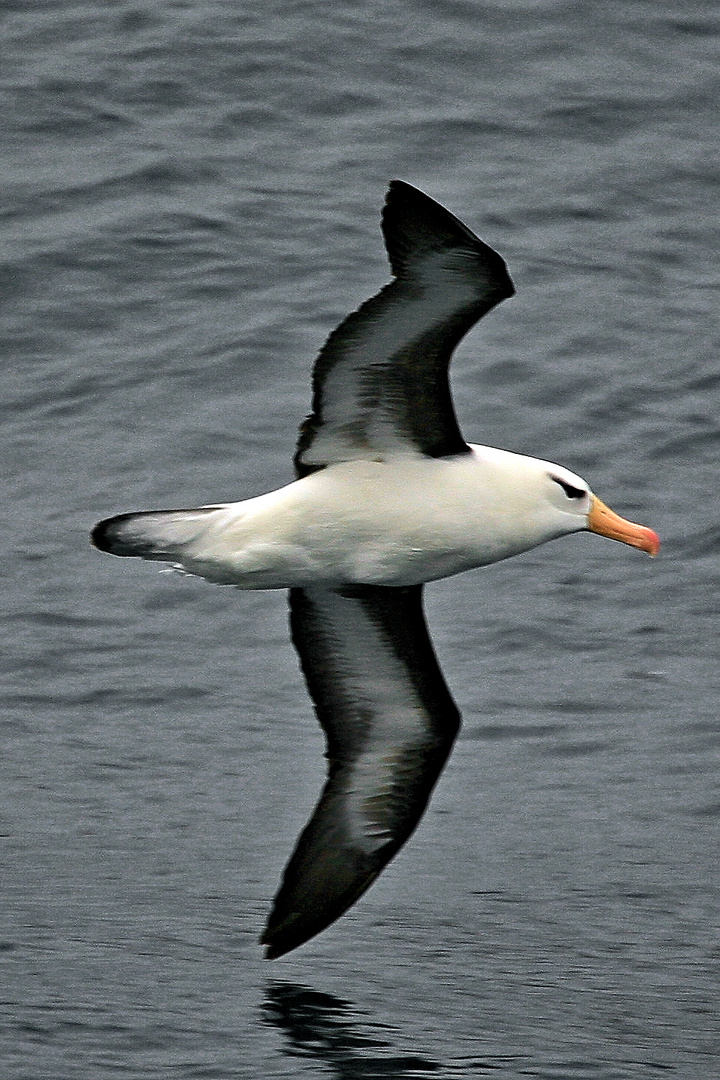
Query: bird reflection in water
[[323, 1027]]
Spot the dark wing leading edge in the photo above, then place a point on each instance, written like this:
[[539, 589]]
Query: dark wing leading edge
[[380, 383], [390, 723]]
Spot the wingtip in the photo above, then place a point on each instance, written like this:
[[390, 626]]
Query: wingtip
[[274, 949], [400, 189], [311, 898], [402, 185], [269, 940], [272, 952], [280, 940], [415, 224]]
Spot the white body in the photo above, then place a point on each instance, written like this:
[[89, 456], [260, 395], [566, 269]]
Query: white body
[[401, 521]]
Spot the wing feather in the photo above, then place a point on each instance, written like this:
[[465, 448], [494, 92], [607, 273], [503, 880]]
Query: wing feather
[[380, 383], [390, 723]]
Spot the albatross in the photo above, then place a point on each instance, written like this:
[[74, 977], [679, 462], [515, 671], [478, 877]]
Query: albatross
[[388, 496]]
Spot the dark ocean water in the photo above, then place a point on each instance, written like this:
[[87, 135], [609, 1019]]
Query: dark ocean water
[[190, 202]]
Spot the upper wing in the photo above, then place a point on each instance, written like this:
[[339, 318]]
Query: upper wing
[[390, 723], [380, 383]]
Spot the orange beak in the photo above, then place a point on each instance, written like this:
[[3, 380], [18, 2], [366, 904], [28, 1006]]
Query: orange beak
[[606, 522]]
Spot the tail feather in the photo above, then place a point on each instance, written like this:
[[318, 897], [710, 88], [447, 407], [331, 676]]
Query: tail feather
[[151, 534]]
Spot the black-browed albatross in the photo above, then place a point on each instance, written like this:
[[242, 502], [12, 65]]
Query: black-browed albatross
[[388, 496]]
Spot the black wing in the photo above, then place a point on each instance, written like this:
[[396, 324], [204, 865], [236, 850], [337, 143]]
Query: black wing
[[390, 723], [380, 383]]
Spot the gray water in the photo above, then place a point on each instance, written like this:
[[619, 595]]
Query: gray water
[[190, 202]]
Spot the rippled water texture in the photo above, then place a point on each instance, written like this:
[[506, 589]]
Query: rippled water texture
[[191, 196]]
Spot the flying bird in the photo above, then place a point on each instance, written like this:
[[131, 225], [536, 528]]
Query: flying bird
[[387, 496]]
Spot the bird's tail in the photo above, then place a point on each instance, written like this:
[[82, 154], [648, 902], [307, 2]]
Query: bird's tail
[[152, 534]]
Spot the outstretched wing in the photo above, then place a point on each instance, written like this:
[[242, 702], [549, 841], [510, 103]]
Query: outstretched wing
[[380, 383], [390, 723]]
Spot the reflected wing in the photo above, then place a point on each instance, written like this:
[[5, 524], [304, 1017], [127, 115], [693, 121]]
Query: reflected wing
[[380, 383], [390, 723]]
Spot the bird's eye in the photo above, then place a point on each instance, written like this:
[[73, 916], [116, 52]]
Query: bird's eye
[[569, 489]]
